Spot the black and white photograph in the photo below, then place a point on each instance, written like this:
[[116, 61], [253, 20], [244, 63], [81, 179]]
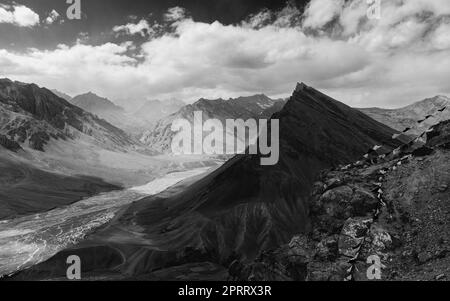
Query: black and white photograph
[[232, 142]]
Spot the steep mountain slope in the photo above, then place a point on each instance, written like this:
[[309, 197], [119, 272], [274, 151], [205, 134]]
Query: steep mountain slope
[[160, 137], [241, 208], [33, 116], [408, 116], [276, 107], [62, 95]]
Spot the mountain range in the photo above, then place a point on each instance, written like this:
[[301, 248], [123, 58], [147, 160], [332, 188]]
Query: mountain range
[[242, 208], [294, 220], [34, 116], [255, 107], [408, 117], [133, 122]]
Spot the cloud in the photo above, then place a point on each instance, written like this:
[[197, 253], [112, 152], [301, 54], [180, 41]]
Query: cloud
[[320, 12], [440, 38], [142, 28], [18, 15], [174, 14], [52, 17], [403, 57]]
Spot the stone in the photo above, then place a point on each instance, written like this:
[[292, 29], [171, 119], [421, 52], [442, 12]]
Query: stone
[[332, 201], [318, 188], [327, 248], [345, 201], [381, 239], [299, 251], [352, 236], [334, 182], [363, 202]]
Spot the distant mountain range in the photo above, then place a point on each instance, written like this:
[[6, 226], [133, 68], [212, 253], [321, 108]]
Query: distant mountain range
[[95, 104], [134, 123], [408, 116], [256, 107], [103, 108]]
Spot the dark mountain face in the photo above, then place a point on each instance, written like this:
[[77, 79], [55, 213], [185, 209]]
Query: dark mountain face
[[36, 115], [367, 209], [243, 207], [160, 136]]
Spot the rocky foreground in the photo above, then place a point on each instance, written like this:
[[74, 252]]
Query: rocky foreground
[[397, 209]]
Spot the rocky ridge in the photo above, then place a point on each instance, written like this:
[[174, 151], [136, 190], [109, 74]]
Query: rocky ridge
[[386, 220]]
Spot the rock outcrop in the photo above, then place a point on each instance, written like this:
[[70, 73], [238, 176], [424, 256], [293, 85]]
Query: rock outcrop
[[398, 232]]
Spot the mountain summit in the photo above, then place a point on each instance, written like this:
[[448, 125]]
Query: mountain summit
[[93, 103]]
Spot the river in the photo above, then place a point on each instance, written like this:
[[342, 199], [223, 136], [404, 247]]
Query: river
[[28, 240]]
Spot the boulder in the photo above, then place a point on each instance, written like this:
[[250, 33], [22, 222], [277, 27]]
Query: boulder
[[352, 236], [345, 201], [327, 248]]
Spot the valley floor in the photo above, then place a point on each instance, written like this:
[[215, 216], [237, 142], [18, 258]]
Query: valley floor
[[31, 239]]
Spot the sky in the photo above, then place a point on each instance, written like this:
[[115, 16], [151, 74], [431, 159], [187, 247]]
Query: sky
[[131, 51]]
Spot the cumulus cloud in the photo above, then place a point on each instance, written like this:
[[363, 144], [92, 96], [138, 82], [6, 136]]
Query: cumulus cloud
[[321, 12], [18, 15], [142, 28], [403, 57], [174, 14], [52, 17]]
